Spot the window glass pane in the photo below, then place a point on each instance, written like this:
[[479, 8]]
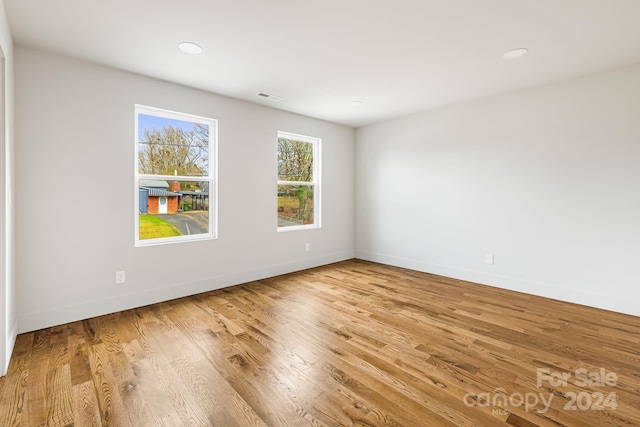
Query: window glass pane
[[172, 147], [295, 205], [295, 160], [169, 208]]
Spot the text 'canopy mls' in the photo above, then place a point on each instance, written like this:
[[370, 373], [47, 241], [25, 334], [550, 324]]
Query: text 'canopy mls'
[[295, 160], [170, 147]]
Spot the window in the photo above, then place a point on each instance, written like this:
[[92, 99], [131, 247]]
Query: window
[[175, 187], [298, 182]]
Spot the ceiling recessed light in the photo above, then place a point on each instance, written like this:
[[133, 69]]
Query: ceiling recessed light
[[189, 47], [356, 103], [516, 53]]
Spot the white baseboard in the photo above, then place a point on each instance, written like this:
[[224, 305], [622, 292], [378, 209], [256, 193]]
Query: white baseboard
[[60, 315], [57, 316], [607, 302]]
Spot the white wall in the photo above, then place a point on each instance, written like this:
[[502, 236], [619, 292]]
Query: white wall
[[8, 319], [74, 200], [547, 180]]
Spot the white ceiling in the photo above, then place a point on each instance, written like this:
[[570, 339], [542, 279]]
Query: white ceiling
[[396, 56]]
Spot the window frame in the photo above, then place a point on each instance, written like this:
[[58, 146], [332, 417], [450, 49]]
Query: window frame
[[315, 182], [211, 176]]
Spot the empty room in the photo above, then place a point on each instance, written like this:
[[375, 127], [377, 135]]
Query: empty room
[[338, 213]]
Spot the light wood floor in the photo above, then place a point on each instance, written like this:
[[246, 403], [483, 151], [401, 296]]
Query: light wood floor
[[349, 344]]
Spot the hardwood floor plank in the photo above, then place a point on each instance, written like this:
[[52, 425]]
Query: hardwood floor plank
[[112, 411], [216, 399], [35, 407], [12, 398], [158, 378], [78, 360], [59, 399], [86, 411]]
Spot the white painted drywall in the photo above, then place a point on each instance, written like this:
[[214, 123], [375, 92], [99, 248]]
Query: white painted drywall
[[8, 321], [547, 180], [75, 203]]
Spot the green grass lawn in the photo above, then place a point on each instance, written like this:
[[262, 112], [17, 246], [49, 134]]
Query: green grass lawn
[[152, 227]]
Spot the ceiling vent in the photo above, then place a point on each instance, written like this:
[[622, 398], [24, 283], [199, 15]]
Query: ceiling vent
[[268, 96]]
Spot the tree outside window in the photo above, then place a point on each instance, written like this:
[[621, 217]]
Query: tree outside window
[[298, 183]]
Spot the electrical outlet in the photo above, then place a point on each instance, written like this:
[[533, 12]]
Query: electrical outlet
[[488, 259], [307, 247], [119, 277]]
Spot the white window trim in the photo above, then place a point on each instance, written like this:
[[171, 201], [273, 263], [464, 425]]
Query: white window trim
[[212, 177], [317, 179]]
